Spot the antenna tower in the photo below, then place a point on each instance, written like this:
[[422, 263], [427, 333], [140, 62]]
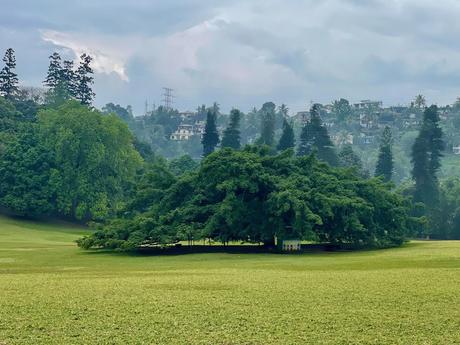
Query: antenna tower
[[168, 98]]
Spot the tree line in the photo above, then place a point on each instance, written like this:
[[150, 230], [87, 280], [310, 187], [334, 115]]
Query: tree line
[[64, 158]]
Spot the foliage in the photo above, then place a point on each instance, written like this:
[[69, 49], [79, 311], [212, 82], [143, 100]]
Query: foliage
[[231, 137], [94, 158], [254, 197], [385, 164], [8, 77], [426, 155], [267, 135], [349, 159], [287, 140], [315, 138], [83, 91], [210, 136], [183, 164]]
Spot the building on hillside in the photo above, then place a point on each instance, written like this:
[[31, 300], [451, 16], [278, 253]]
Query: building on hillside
[[186, 116], [183, 132], [366, 139], [186, 132], [302, 117], [366, 121], [340, 139], [368, 105], [456, 150]]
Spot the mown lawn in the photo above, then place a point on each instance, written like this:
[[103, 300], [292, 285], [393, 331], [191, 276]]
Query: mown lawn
[[51, 292]]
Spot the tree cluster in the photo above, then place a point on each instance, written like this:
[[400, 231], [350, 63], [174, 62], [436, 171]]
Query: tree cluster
[[256, 197]]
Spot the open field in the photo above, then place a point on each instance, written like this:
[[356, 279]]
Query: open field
[[53, 293]]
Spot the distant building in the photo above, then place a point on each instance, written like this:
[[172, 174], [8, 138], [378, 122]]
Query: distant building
[[341, 139], [186, 132], [368, 105], [456, 150], [302, 117], [183, 132], [187, 115]]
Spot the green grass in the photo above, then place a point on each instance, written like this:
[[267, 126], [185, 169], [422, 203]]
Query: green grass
[[51, 292]]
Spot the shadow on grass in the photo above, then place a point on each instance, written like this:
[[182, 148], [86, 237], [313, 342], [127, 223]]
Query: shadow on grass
[[234, 249]]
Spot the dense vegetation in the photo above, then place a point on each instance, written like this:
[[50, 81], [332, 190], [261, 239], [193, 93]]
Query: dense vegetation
[[61, 157], [252, 196]]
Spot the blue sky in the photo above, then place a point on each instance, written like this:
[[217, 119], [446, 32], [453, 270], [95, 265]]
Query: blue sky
[[242, 53]]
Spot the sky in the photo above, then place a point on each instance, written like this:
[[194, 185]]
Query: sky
[[242, 53]]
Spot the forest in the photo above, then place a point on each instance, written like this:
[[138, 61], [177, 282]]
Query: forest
[[250, 178]]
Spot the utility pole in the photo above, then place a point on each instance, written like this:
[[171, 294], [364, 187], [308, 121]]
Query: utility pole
[[168, 98]]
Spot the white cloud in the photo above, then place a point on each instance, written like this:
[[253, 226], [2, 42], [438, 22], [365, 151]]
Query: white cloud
[[107, 61], [241, 53]]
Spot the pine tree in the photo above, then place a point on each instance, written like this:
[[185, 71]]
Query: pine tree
[[267, 136], [53, 78], [69, 77], [349, 159], [8, 77], [231, 136], [314, 137], [384, 165], [210, 136], [287, 139], [84, 93], [426, 158]]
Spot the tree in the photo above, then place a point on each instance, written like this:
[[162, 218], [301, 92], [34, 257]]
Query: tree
[[93, 157], [25, 171], [84, 93], [54, 75], [426, 158], [231, 136], [248, 195], [315, 138], [267, 136], [69, 78], [183, 164], [419, 102], [385, 164], [342, 110], [61, 81], [349, 159], [287, 139], [8, 77], [211, 136]]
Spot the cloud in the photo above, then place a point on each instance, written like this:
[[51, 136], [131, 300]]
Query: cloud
[[242, 53], [103, 61]]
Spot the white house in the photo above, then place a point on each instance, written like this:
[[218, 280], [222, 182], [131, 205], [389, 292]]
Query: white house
[[456, 150], [183, 132]]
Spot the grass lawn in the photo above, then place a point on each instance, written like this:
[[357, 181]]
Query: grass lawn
[[51, 292]]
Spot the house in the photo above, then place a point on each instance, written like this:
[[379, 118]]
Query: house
[[183, 132], [187, 115], [302, 117], [341, 139], [186, 132], [368, 105], [456, 150]]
